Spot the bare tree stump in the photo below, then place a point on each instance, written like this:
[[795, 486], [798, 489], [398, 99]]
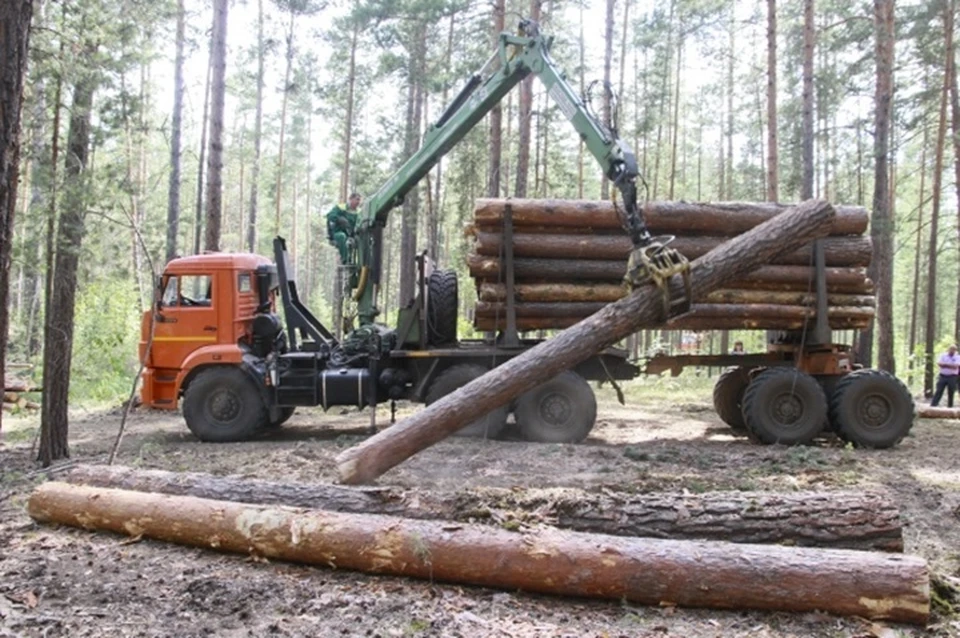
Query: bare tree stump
[[849, 520], [788, 231], [647, 571]]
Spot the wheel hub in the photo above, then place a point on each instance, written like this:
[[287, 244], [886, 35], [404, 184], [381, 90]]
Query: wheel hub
[[224, 406], [555, 409], [788, 409], [874, 411]]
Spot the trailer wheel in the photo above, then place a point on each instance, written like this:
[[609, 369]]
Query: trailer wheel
[[784, 405], [285, 414], [222, 404], [442, 307], [728, 396], [454, 378], [871, 408], [562, 410]]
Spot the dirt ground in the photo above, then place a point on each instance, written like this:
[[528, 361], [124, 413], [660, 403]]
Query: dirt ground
[[65, 582]]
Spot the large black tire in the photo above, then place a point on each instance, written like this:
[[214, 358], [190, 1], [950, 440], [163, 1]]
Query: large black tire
[[784, 405], [872, 409], [562, 410], [454, 378], [728, 396], [223, 404], [442, 307]]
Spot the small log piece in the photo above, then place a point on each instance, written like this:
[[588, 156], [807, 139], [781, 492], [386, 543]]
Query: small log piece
[[647, 571], [937, 412], [849, 520]]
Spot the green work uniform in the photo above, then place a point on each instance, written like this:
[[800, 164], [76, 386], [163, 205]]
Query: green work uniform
[[341, 226]]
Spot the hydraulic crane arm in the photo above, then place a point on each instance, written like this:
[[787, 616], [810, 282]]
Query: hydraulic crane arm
[[519, 56]]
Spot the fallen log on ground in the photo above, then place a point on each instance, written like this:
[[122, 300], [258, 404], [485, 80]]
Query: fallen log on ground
[[838, 251], [839, 280], [606, 293], [937, 412], [720, 218], [788, 231], [647, 571], [864, 521]]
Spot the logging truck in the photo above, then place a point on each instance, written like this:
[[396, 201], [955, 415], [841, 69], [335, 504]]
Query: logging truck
[[214, 340]]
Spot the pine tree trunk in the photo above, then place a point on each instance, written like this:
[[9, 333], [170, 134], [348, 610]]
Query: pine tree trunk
[[918, 252], [411, 204], [675, 126], [773, 159], [278, 189], [731, 58], [525, 116], [251, 235], [58, 340], [807, 135], [201, 164], [176, 131], [15, 18], [496, 113], [348, 118], [218, 91], [607, 86], [882, 225]]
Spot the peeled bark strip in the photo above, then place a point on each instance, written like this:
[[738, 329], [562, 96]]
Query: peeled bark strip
[[717, 218], [376, 455], [606, 293], [864, 521], [788, 278], [646, 571], [839, 251]]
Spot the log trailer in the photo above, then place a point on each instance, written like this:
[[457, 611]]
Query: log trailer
[[215, 340]]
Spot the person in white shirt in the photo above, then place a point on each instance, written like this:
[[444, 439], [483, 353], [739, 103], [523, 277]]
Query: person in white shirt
[[949, 363]]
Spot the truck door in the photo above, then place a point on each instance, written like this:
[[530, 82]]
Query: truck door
[[186, 319]]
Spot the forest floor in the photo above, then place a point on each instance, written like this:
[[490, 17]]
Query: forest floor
[[66, 582]]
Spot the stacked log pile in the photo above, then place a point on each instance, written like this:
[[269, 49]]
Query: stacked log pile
[[570, 257], [13, 395]]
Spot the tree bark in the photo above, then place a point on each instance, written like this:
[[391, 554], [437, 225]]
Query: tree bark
[[806, 143], [15, 18], [839, 251], [496, 113], [525, 111], [176, 130], [849, 520], [201, 164], [605, 111], [278, 187], [773, 153], [680, 218], [348, 117], [58, 337], [218, 91], [416, 72], [732, 260], [251, 234], [647, 571]]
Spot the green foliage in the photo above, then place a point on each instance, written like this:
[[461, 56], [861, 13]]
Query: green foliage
[[106, 334]]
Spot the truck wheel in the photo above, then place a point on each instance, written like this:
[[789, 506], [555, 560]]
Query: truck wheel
[[222, 405], [784, 405], [728, 396], [442, 307], [285, 414], [454, 378], [871, 408], [562, 410]]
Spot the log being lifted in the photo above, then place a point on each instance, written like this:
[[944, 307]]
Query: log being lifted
[[606, 293], [838, 251], [864, 521], [548, 561], [788, 231], [674, 218], [784, 278]]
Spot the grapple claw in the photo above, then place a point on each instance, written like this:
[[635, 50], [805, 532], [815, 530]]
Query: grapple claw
[[656, 263]]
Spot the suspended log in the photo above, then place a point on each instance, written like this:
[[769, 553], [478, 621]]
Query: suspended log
[[526, 324], [839, 280], [741, 254], [850, 520], [597, 292], [839, 251], [548, 561], [937, 412], [715, 218]]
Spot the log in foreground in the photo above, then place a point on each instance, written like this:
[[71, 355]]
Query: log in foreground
[[937, 412], [864, 521], [647, 571], [838, 251], [376, 455], [717, 218]]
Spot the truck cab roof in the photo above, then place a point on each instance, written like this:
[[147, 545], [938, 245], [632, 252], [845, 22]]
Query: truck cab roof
[[217, 261]]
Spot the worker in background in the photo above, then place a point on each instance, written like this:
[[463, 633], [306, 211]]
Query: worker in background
[[342, 226], [738, 348], [949, 363]]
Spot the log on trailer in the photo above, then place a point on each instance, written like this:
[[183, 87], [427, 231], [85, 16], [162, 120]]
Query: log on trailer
[[683, 322], [864, 521], [647, 571], [788, 231], [712, 310], [721, 218], [844, 252]]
